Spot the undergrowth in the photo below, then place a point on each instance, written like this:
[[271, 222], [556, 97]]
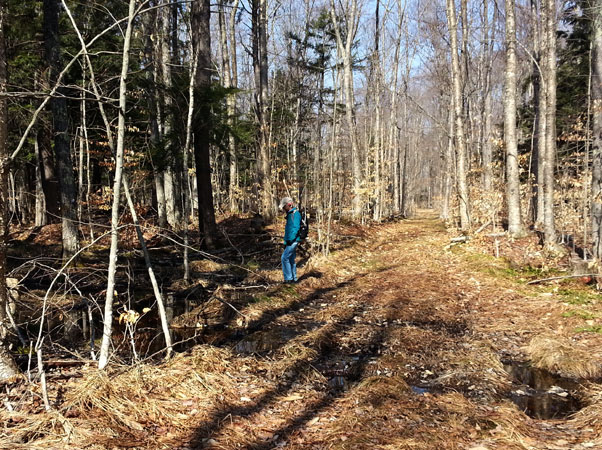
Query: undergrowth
[[586, 315], [578, 296]]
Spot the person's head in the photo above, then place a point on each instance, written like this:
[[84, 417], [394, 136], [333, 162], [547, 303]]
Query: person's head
[[286, 204]]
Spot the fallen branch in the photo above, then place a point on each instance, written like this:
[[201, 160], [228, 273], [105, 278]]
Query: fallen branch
[[482, 227], [564, 277], [215, 296]]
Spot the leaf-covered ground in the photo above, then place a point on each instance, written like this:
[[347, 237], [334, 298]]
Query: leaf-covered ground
[[395, 342]]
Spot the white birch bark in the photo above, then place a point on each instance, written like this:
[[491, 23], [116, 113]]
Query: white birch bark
[[103, 358], [105, 119]]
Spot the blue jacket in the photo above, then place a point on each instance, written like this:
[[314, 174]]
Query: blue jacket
[[293, 223]]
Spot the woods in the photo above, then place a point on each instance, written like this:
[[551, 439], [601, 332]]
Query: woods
[[143, 139]]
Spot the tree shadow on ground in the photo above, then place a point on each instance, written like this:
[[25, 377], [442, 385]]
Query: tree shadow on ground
[[324, 344]]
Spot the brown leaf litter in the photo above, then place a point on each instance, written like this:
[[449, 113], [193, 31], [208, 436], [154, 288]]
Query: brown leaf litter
[[397, 345]]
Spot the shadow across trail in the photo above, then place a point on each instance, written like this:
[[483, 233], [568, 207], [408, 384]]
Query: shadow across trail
[[326, 343]]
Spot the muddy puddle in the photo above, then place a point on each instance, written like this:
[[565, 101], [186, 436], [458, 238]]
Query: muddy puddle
[[420, 390], [542, 394], [262, 342]]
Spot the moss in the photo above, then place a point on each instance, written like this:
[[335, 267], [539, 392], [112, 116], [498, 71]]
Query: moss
[[581, 314], [289, 289], [374, 264], [577, 297], [520, 274], [590, 329], [262, 299]]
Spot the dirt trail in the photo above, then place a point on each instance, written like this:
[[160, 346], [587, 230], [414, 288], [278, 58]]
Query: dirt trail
[[395, 342], [398, 345]]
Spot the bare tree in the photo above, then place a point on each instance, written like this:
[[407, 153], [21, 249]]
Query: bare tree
[[550, 135], [152, 72], [229, 68], [487, 57], [103, 357], [539, 127], [260, 66], [596, 12], [459, 134], [201, 37], [8, 367], [345, 41], [171, 174], [60, 117], [515, 225]]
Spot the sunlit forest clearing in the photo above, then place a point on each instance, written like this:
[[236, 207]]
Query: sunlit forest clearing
[[354, 224]]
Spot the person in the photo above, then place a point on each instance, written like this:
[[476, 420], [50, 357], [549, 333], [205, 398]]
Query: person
[[291, 239]]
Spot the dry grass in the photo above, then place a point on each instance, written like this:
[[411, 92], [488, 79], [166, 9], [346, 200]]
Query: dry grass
[[475, 369], [147, 397], [394, 310], [564, 357], [590, 417]]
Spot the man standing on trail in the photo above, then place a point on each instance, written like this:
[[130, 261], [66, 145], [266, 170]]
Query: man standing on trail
[[291, 239]]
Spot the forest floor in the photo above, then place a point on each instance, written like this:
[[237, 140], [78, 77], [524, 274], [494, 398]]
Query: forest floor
[[397, 341]]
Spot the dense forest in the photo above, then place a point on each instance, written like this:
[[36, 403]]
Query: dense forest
[[151, 135]]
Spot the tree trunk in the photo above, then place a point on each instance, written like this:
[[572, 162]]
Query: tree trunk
[[459, 134], [515, 225], [486, 148], [345, 49], [171, 174], [40, 208], [151, 52], [201, 36], [130, 203], [539, 121], [8, 368], [376, 213], [232, 108], [260, 66], [103, 358], [58, 104], [228, 67], [185, 195], [48, 178], [550, 137], [596, 12], [448, 165]]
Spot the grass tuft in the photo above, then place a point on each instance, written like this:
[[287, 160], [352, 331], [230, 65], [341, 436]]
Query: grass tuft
[[563, 357]]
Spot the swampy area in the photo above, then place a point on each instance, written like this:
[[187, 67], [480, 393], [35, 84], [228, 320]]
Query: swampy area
[[399, 339]]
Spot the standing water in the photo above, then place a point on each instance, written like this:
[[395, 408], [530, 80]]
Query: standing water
[[542, 394]]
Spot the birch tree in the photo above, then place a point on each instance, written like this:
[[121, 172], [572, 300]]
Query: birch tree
[[103, 358]]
